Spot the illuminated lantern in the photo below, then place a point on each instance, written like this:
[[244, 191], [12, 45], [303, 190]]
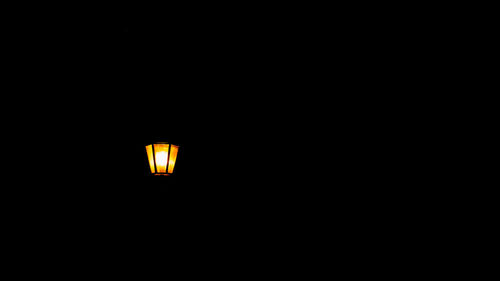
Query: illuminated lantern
[[162, 157]]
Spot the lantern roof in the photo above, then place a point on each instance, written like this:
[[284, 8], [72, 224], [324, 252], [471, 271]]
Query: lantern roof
[[163, 142]]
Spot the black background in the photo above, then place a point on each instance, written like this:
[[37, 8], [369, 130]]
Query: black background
[[303, 134], [90, 96], [282, 135]]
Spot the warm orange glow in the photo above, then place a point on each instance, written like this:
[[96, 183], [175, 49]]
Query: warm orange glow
[[162, 157], [173, 157], [149, 150]]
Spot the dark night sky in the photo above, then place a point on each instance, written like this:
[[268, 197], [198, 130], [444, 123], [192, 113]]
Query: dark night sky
[[267, 150], [111, 87]]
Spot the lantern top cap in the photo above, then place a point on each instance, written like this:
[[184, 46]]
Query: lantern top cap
[[162, 142]]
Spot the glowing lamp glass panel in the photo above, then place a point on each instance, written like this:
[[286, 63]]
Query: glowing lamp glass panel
[[149, 150], [162, 158], [173, 158]]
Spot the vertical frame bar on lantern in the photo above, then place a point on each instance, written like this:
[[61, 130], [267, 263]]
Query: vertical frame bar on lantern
[[154, 158], [168, 157]]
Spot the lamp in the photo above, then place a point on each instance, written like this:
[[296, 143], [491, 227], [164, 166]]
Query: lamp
[[162, 157]]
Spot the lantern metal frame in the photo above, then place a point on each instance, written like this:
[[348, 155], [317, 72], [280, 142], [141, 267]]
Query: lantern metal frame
[[153, 154]]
